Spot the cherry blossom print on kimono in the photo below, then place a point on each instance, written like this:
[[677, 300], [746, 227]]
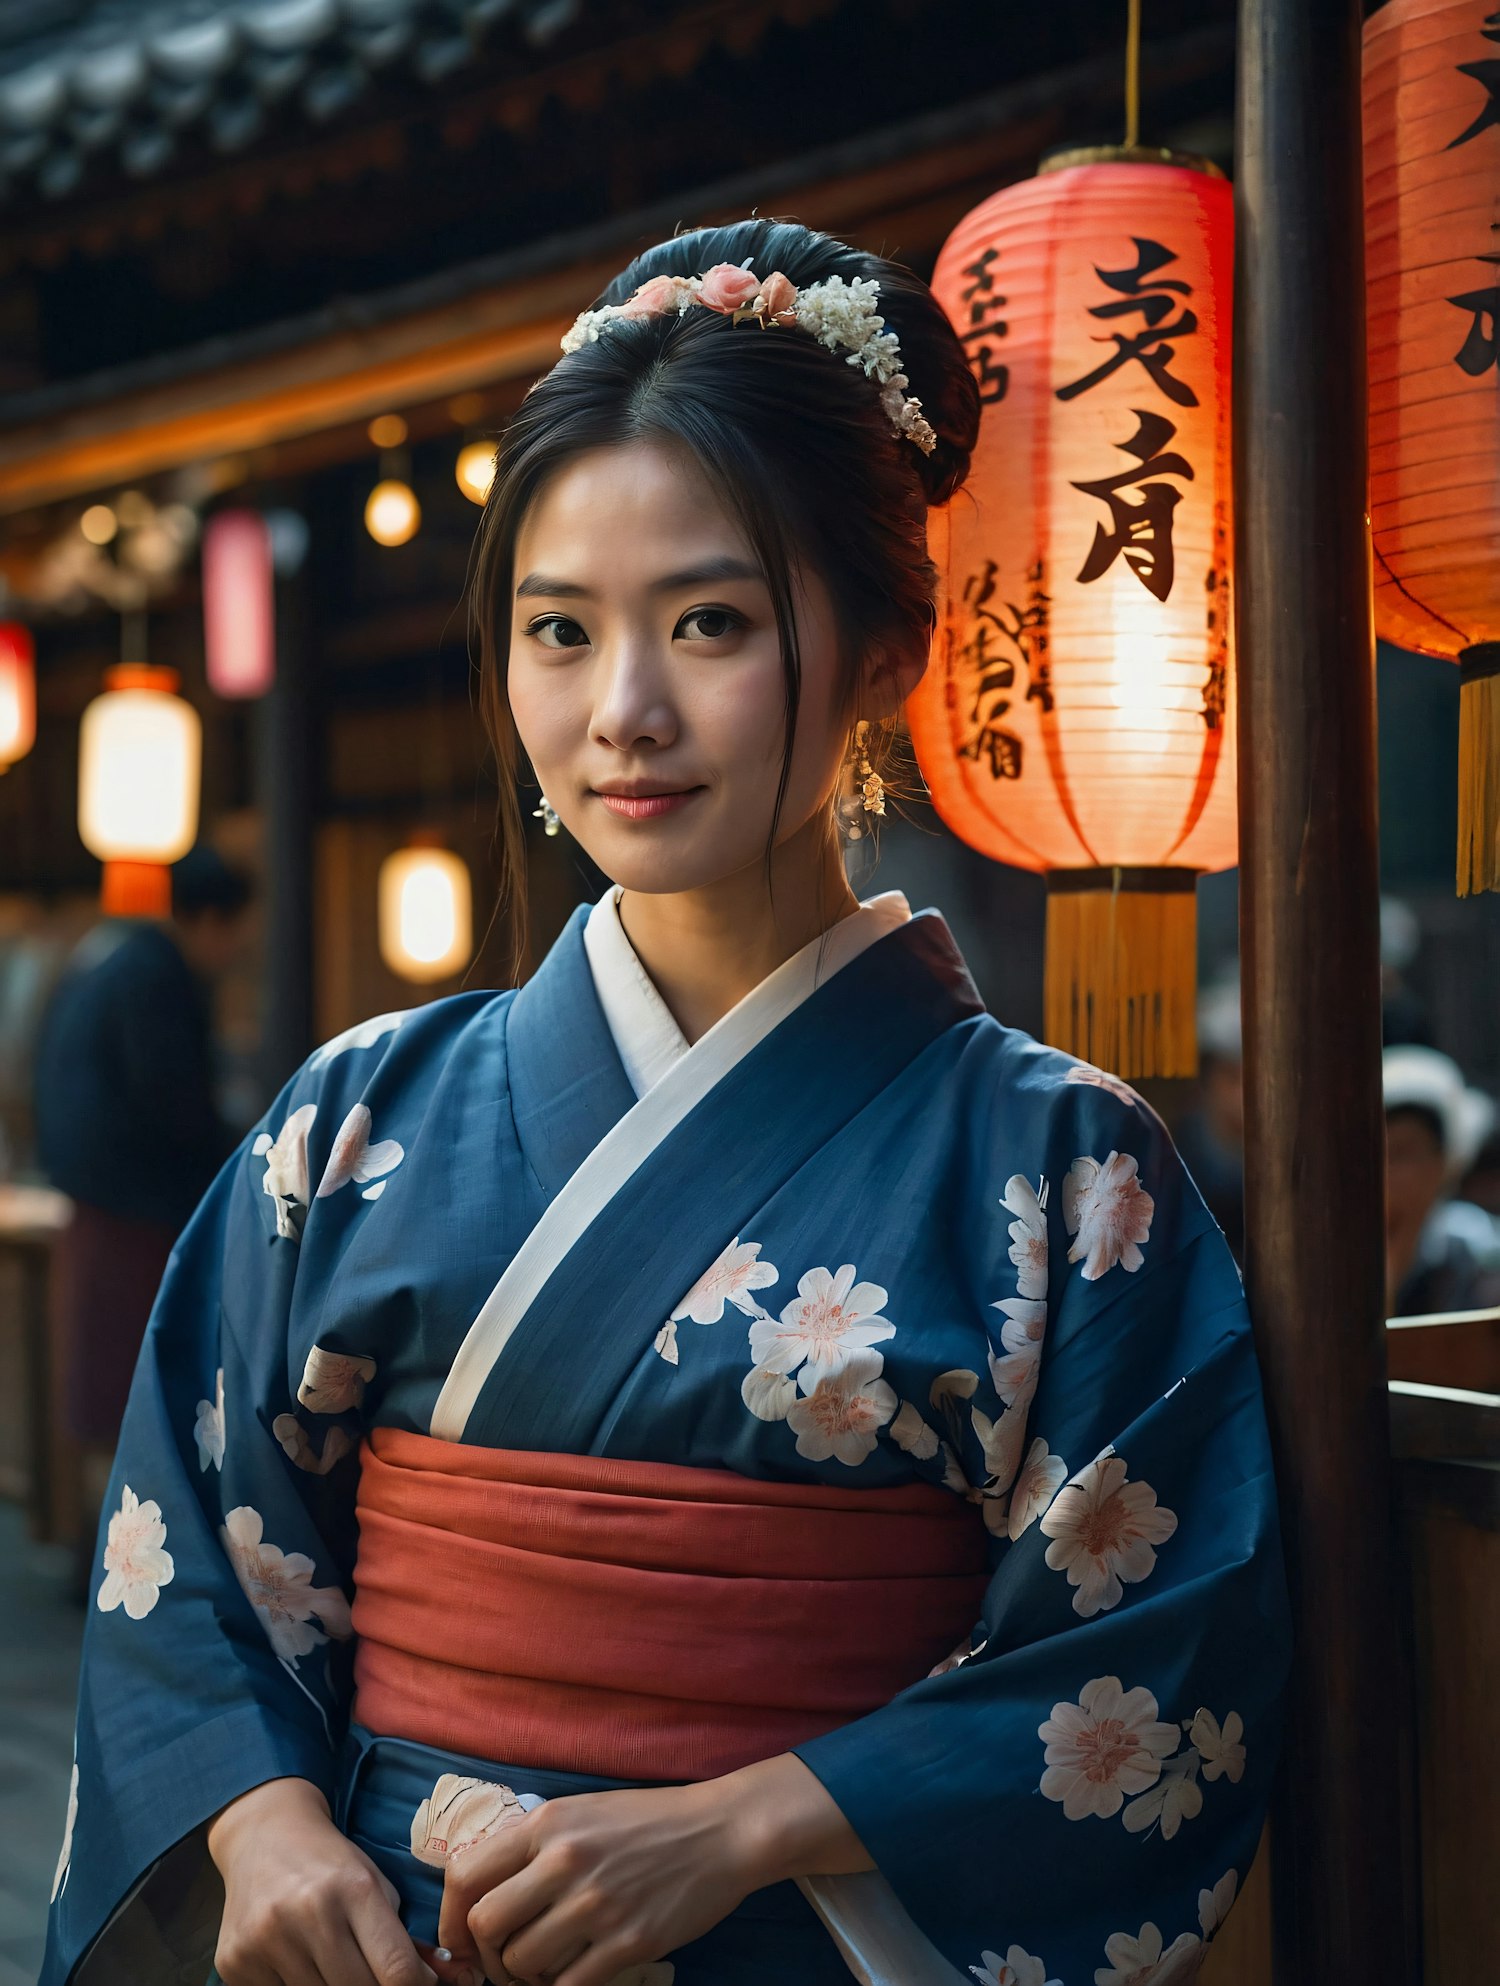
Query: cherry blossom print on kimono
[[859, 1237]]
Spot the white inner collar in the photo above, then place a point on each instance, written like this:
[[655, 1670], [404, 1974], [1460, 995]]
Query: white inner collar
[[646, 1037]]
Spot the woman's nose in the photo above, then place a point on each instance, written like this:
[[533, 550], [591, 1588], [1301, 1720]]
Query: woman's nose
[[632, 704]]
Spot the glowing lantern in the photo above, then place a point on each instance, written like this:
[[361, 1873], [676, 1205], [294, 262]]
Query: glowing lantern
[[17, 693], [140, 751], [1078, 716], [426, 922], [1432, 257], [392, 512], [475, 470], [239, 604]]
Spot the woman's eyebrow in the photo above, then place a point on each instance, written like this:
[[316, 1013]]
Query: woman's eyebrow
[[701, 574], [726, 567], [540, 582]]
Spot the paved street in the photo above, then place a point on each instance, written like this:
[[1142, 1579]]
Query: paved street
[[39, 1638]]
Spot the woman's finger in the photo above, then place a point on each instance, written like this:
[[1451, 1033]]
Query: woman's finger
[[552, 1940], [386, 1955], [333, 1961], [525, 1903], [471, 1873], [600, 1965], [452, 1971]]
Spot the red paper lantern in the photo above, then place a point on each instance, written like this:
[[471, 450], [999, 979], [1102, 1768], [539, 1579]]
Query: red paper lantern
[[239, 604], [17, 693], [1432, 260], [1078, 717]]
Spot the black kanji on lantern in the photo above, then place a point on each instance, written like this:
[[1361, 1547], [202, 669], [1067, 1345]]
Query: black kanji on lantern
[[1140, 508], [1487, 74], [992, 639], [1152, 297], [1481, 349], [1216, 587], [985, 328]]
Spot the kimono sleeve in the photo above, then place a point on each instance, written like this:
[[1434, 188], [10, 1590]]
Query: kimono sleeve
[[213, 1654], [1079, 1795]]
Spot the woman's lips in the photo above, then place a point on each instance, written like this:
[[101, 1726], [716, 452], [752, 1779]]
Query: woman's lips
[[647, 806]]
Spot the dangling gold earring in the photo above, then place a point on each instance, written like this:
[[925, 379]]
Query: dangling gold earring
[[870, 798], [546, 813]]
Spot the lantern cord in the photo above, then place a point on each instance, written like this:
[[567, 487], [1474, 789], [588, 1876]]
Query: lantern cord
[[1133, 74]]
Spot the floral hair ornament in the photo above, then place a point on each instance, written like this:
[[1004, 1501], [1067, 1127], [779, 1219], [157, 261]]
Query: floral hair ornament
[[839, 314]]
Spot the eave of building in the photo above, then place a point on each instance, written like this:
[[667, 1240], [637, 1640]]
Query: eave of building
[[512, 95], [499, 319]]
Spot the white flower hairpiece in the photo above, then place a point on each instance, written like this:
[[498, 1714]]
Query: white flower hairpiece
[[841, 315]]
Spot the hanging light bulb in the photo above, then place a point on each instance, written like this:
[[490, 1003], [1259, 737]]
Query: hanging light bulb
[[392, 513], [140, 754], [475, 470], [17, 693], [426, 915], [239, 604], [99, 524]]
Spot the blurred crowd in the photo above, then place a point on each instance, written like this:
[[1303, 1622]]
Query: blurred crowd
[[1442, 1221]]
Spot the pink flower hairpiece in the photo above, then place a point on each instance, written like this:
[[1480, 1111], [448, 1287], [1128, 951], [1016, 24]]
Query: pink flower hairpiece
[[841, 315]]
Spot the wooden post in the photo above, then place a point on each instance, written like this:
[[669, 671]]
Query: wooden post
[[1311, 976]]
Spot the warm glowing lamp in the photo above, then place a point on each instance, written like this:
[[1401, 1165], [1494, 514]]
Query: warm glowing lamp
[[1078, 716], [426, 918], [140, 752], [475, 470], [17, 693], [239, 604], [392, 512], [1432, 263]]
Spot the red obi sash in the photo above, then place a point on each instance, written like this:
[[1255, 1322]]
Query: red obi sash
[[639, 1620]]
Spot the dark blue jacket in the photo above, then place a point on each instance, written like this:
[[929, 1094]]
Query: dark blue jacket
[[125, 1116]]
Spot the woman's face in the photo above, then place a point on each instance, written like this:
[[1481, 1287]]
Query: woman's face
[[646, 678]]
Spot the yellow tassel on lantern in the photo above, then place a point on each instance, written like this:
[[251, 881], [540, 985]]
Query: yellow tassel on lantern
[[1479, 769], [1121, 969]]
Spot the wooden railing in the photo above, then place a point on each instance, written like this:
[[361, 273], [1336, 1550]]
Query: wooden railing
[[1445, 1443]]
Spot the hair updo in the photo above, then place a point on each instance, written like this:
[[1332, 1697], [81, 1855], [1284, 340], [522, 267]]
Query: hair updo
[[794, 439]]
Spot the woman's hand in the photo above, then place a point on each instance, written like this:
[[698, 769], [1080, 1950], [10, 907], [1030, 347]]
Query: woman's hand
[[302, 1905], [588, 1885]]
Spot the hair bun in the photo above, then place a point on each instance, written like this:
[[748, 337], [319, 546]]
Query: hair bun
[[932, 357]]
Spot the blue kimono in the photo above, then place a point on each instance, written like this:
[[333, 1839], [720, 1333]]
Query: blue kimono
[[859, 1235]]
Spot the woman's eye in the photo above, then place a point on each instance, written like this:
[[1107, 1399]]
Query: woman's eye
[[710, 623], [557, 631]]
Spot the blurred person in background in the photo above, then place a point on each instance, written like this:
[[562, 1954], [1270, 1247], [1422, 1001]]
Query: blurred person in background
[[127, 1127], [1403, 1014], [1442, 1253], [1211, 1137], [1481, 1183]]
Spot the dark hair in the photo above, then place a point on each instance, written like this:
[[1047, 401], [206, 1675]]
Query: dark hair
[[1420, 1113], [795, 440], [203, 880]]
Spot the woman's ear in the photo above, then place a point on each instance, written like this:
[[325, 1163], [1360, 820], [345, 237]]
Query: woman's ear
[[889, 679]]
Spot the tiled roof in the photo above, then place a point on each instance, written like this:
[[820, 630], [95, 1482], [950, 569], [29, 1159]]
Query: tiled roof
[[124, 86]]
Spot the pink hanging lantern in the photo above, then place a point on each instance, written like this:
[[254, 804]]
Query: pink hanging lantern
[[17, 693], [239, 604]]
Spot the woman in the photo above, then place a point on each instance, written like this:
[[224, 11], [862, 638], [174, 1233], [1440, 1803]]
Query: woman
[[792, 1444]]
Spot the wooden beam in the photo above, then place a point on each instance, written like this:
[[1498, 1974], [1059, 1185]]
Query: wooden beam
[[1309, 894], [342, 379]]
